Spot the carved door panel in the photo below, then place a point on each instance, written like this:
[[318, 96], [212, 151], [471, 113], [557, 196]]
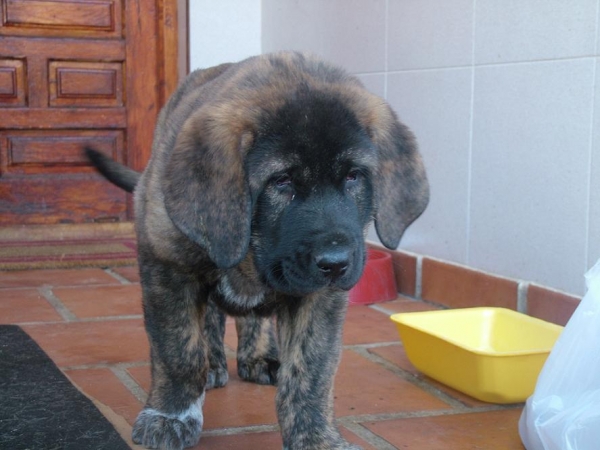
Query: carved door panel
[[76, 72]]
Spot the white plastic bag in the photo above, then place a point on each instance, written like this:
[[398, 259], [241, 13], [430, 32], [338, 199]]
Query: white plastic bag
[[564, 411]]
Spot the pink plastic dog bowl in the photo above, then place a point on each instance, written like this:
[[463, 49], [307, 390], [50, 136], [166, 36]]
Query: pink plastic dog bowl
[[377, 283]]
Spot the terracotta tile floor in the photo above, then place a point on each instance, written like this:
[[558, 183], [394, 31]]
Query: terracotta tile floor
[[89, 321]]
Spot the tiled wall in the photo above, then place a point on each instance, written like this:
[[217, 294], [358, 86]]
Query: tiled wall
[[502, 96], [223, 31]]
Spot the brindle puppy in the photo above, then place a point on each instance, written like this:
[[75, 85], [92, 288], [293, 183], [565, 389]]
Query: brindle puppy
[[263, 180]]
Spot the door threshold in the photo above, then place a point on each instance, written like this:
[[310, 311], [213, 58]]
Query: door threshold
[[60, 232]]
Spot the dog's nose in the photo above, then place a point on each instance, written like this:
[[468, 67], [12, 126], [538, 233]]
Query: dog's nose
[[333, 264]]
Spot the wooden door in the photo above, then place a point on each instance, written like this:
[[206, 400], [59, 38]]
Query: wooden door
[[78, 72]]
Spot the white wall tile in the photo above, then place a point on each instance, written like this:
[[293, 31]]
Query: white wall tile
[[522, 30], [223, 31], [435, 104], [531, 133], [594, 204], [374, 82], [429, 33], [593, 254], [350, 33]]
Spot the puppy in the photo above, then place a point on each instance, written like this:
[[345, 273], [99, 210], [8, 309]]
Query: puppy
[[263, 180]]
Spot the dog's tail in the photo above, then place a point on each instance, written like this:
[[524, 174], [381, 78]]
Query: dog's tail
[[118, 174]]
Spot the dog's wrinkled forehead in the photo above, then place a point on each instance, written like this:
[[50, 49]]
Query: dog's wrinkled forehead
[[315, 133]]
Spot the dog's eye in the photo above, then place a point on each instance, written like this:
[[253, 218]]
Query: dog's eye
[[283, 181], [352, 178]]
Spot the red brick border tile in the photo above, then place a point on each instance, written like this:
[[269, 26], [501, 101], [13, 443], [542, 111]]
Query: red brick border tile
[[552, 306], [459, 287], [405, 270]]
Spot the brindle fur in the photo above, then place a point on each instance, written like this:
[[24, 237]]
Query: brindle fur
[[263, 179]]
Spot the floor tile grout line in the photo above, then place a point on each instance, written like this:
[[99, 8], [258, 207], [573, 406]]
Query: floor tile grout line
[[121, 365], [109, 318], [82, 320], [117, 276], [373, 345], [366, 435], [59, 307], [68, 286], [382, 417], [409, 300], [407, 376], [381, 309], [19, 288], [129, 382], [230, 431]]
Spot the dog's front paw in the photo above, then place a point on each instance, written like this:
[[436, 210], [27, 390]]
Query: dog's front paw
[[157, 430], [217, 377], [258, 370]]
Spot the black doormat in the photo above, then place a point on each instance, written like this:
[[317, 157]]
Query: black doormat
[[39, 407]]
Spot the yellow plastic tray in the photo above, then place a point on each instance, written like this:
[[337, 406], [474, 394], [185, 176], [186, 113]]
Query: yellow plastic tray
[[492, 354]]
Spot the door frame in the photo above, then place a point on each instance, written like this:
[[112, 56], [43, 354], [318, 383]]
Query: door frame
[[174, 34], [172, 62]]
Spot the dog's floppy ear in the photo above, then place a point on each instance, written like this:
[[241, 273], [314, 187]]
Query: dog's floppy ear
[[401, 190], [206, 193]]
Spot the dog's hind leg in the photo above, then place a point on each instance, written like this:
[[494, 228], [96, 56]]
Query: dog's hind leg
[[257, 355], [214, 329], [174, 308]]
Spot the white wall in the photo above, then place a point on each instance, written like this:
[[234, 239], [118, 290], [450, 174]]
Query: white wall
[[223, 31], [502, 96]]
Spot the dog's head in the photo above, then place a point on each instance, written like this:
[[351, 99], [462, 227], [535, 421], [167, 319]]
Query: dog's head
[[292, 159]]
